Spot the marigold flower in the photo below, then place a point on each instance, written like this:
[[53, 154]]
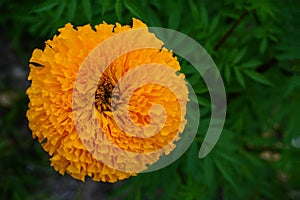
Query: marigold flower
[[53, 73]]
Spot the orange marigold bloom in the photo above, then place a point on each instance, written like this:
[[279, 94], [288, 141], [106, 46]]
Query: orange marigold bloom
[[53, 73]]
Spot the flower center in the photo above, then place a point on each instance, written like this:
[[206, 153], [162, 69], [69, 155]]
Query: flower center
[[103, 94]]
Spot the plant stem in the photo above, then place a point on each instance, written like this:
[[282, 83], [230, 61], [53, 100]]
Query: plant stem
[[228, 33]]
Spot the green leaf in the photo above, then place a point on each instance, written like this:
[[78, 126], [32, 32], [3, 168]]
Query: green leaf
[[233, 159], [273, 38], [118, 9], [209, 173], [71, 10], [194, 10], [204, 16], [138, 195], [45, 7], [105, 6], [59, 10], [225, 172], [263, 45], [230, 13], [213, 25], [253, 159], [239, 77], [134, 10], [87, 9], [35, 27], [204, 102], [200, 90], [257, 77], [174, 19], [152, 18], [251, 64], [192, 158], [240, 54], [227, 73], [284, 110], [47, 29]]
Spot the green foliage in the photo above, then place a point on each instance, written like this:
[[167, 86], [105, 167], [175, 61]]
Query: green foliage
[[22, 163], [255, 45]]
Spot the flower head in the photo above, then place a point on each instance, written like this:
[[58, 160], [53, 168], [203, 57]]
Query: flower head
[[54, 72]]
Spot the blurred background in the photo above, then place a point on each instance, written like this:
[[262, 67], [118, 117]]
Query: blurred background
[[255, 44]]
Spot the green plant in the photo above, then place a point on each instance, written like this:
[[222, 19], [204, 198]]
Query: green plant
[[254, 44]]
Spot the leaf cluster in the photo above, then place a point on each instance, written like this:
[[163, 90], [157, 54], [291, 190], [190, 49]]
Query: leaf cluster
[[255, 45]]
